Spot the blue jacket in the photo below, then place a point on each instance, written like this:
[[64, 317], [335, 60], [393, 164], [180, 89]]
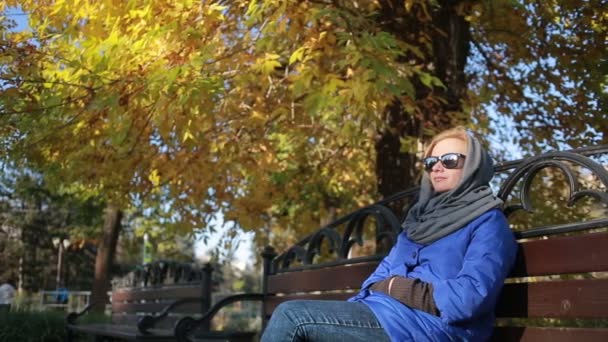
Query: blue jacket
[[466, 268]]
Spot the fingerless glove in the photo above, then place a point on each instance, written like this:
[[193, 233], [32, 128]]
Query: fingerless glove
[[410, 291]]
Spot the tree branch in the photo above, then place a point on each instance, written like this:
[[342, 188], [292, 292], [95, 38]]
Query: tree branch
[[42, 109]]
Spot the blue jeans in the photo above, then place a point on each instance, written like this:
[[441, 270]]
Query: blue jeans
[[321, 320]]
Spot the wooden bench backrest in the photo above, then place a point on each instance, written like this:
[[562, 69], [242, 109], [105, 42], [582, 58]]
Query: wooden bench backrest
[[152, 289], [557, 278], [582, 298], [331, 283], [130, 304]]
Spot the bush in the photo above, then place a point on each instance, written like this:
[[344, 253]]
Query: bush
[[32, 326]]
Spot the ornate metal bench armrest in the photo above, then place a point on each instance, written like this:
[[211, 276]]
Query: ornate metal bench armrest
[[187, 324], [71, 318], [148, 322]]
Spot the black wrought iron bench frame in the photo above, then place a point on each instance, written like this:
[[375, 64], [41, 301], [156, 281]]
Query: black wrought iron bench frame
[[561, 272], [158, 290]]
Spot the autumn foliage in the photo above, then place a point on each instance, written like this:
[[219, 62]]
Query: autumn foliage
[[270, 111]]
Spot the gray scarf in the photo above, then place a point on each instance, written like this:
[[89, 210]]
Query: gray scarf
[[436, 215]]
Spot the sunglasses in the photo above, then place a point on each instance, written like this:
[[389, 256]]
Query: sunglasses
[[448, 160]]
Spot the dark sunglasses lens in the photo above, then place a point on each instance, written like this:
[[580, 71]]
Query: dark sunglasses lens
[[450, 160], [429, 162]]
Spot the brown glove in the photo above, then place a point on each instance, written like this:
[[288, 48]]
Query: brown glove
[[410, 291]]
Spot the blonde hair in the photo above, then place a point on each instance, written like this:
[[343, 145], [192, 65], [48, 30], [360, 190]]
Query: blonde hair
[[458, 132]]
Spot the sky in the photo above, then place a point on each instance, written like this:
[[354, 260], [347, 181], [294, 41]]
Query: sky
[[19, 17], [244, 254]]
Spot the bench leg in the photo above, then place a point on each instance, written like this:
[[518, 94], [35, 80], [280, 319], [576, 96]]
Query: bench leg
[[69, 335]]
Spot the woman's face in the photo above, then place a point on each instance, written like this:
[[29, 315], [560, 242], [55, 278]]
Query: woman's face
[[444, 179]]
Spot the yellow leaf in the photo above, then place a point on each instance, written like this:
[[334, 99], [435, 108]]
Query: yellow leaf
[[257, 116], [187, 136], [269, 63], [154, 177], [216, 8], [409, 4], [297, 55], [80, 125]]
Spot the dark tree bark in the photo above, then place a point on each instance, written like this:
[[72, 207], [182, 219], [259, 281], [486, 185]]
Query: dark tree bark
[[395, 170], [105, 257], [449, 32]]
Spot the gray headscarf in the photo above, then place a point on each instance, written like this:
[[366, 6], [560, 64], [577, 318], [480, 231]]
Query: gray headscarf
[[436, 215]]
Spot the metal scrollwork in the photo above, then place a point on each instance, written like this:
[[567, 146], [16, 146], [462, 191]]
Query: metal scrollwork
[[316, 241], [295, 253], [384, 218], [338, 245], [159, 272], [529, 168], [518, 184], [566, 164]]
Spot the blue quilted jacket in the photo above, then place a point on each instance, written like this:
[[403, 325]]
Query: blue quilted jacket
[[466, 268]]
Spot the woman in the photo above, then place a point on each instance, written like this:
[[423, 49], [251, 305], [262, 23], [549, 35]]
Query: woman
[[441, 280]]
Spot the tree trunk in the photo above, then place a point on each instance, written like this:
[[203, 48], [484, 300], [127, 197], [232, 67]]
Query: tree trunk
[[105, 257], [396, 170]]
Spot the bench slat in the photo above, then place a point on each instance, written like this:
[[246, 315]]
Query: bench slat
[[156, 307], [324, 279], [132, 319], [123, 332], [126, 319], [173, 292], [273, 301], [562, 255], [557, 299], [534, 334]]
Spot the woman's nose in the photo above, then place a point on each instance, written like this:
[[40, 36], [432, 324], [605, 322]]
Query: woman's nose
[[438, 167]]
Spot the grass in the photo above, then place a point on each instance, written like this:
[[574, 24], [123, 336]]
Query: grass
[[37, 326], [32, 326]]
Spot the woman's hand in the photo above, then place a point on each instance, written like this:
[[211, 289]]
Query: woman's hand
[[410, 291]]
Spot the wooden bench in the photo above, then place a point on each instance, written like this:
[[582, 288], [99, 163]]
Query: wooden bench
[[558, 290], [154, 299]]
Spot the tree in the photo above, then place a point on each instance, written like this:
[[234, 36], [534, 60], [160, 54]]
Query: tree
[[284, 114], [139, 227], [31, 217], [544, 65]]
